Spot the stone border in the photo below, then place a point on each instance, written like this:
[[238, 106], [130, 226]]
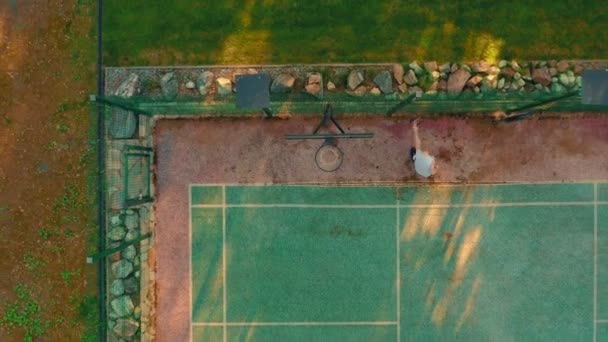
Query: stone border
[[391, 80]]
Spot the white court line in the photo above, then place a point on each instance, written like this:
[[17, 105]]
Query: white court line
[[392, 206], [224, 259], [190, 254], [400, 184], [292, 324], [595, 262], [398, 281], [601, 321]]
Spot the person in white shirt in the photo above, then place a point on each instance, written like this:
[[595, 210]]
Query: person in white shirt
[[424, 163]]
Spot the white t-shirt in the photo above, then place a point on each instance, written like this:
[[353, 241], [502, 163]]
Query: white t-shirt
[[423, 163]]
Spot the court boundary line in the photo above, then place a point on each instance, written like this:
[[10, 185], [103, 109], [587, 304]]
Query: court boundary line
[[295, 324], [601, 321], [595, 204], [400, 206], [224, 262], [190, 258], [405, 185], [398, 265]]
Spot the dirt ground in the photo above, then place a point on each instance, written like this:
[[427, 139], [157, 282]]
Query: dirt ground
[[254, 150], [46, 72]]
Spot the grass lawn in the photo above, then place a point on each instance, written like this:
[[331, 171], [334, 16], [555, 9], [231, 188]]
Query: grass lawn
[[139, 32]]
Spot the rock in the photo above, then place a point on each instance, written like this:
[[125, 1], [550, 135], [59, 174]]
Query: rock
[[571, 80], [137, 312], [315, 78], [190, 85], [131, 285], [508, 72], [384, 81], [132, 234], [476, 90], [115, 220], [579, 81], [443, 76], [538, 86], [128, 87], [122, 123], [457, 81], [224, 86], [483, 67], [117, 288], [516, 76], [417, 69], [542, 76], [466, 67], [432, 87], [435, 74], [129, 253], [557, 88], [445, 68], [169, 86], [375, 91], [402, 88], [283, 83], [542, 64], [501, 83], [562, 66], [502, 64], [520, 82], [474, 81], [126, 328], [494, 70], [515, 66], [398, 73], [410, 78], [430, 66], [122, 306], [529, 87], [552, 63], [121, 269], [313, 89], [204, 81], [563, 79], [506, 86], [132, 221], [552, 72], [355, 78], [117, 233], [331, 86]]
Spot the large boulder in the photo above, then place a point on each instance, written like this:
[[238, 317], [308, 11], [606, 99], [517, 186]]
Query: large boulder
[[282, 83], [131, 285], [384, 81], [355, 78], [398, 73], [117, 233], [122, 124], [128, 87], [562, 66], [410, 78], [224, 86], [122, 306], [129, 253], [117, 287], [457, 81], [169, 86], [132, 220], [314, 85], [204, 81], [121, 269], [430, 66], [542, 76], [126, 328]]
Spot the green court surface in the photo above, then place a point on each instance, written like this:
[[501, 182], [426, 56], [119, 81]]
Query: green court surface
[[386, 263]]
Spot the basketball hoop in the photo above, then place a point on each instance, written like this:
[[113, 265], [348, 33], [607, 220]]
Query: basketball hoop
[[329, 157]]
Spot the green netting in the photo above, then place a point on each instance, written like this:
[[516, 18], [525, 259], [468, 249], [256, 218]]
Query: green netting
[[343, 103]]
